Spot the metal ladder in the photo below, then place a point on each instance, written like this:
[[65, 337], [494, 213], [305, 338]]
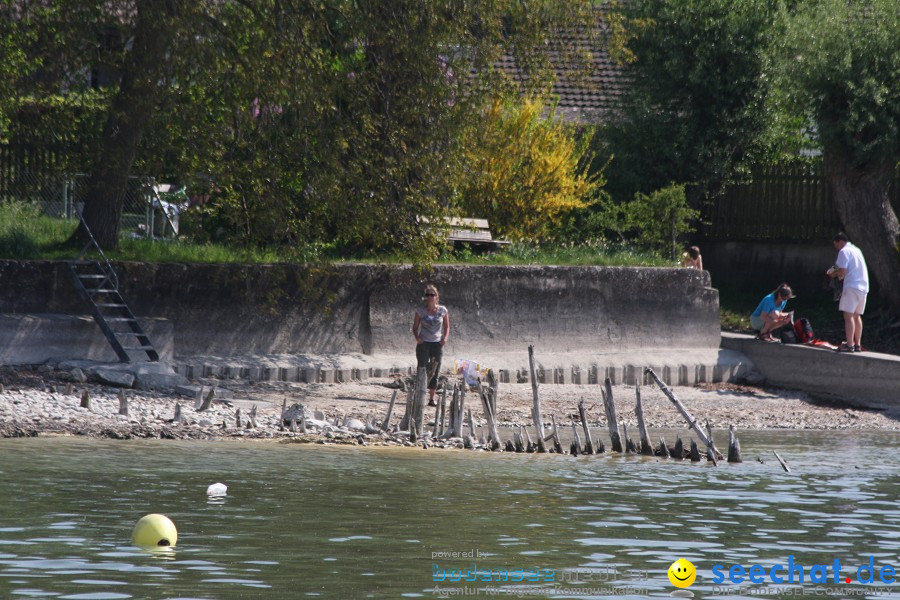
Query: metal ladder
[[98, 285]]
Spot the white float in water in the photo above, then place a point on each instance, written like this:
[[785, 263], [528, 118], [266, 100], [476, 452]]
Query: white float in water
[[217, 489]]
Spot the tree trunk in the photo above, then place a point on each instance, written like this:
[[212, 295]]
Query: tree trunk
[[126, 121], [864, 207]]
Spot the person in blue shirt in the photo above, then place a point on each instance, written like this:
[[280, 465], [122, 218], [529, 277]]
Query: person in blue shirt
[[770, 315]]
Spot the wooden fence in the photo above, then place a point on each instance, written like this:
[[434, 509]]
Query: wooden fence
[[779, 204], [25, 169]]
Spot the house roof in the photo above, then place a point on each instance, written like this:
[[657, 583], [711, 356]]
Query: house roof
[[584, 96]]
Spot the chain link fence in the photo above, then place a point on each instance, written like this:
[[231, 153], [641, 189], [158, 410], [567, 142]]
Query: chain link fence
[[149, 209]]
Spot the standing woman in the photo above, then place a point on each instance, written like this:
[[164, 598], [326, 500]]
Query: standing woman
[[431, 328]]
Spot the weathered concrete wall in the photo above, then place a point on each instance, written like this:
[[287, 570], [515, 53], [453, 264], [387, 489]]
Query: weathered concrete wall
[[762, 266], [31, 339], [562, 309], [265, 309]]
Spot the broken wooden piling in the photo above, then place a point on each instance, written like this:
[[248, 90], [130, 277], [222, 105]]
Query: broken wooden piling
[[663, 449], [536, 414], [734, 446], [417, 419], [781, 460], [387, 418], [692, 423], [588, 440], [646, 446], [488, 402], [611, 421], [123, 403], [557, 445]]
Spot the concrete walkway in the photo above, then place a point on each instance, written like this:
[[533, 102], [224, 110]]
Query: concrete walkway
[[868, 379]]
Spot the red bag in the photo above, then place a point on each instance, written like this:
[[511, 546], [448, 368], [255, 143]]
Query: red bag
[[804, 331]]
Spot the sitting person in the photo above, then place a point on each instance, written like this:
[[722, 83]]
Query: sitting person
[[769, 315], [692, 259]]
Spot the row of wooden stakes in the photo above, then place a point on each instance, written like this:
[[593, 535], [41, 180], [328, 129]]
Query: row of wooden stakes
[[452, 415]]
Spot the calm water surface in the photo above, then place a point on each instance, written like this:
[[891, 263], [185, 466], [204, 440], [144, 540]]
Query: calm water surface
[[332, 522]]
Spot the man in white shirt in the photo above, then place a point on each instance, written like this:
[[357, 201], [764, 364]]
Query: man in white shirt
[[851, 267]]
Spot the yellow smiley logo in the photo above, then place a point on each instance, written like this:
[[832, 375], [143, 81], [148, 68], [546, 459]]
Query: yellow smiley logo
[[682, 573]]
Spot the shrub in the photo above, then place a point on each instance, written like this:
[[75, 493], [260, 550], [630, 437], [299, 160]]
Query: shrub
[[525, 171], [652, 222]]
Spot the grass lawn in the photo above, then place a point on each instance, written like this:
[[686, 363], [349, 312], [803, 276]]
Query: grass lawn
[[27, 234]]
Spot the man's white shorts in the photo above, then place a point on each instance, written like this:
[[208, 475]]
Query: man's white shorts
[[853, 301]]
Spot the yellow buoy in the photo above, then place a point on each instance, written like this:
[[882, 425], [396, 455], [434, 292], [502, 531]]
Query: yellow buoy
[[153, 531]]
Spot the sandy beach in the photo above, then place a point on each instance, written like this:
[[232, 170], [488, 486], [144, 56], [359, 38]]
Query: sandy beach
[[34, 403]]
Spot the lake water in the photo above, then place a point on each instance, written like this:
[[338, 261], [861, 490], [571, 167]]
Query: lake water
[[345, 522]]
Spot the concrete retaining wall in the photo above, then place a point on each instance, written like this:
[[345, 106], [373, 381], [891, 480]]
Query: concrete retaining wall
[[231, 310], [30, 339], [763, 265], [562, 309]]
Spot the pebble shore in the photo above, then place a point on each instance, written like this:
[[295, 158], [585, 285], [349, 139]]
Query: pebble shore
[[35, 403]]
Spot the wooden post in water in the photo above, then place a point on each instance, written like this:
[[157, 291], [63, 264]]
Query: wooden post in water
[[734, 446], [529, 444], [387, 418], [710, 452], [557, 444], [494, 382], [437, 413], [577, 442], [663, 449], [417, 419], [438, 431], [460, 409], [695, 452], [646, 446], [630, 448], [451, 417], [471, 423], [678, 451], [588, 440], [536, 414], [489, 414], [611, 421], [85, 399], [684, 412], [781, 460], [404, 422]]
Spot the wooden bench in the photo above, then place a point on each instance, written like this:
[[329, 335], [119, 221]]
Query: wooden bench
[[475, 232]]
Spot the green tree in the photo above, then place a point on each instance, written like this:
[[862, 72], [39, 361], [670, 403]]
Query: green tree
[[694, 109], [358, 113], [838, 66], [155, 25], [305, 121]]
